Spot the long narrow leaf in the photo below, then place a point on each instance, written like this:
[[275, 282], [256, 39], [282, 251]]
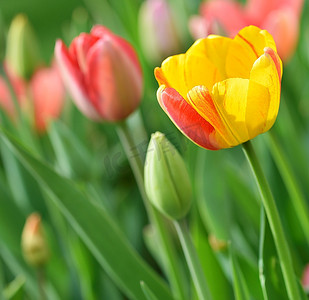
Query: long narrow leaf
[[95, 227]]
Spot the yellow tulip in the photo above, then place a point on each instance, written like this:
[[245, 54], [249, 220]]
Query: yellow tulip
[[223, 92]]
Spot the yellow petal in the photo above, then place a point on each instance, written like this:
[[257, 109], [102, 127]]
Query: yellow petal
[[205, 62], [265, 73], [202, 64], [247, 46], [230, 99], [172, 74]]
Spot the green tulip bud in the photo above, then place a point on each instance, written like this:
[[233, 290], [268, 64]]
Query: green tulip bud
[[2, 39], [22, 52], [33, 241], [167, 181]]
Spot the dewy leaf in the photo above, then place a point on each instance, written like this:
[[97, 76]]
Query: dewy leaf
[[95, 227]]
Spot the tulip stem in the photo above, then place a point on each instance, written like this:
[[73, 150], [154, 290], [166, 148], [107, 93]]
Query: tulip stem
[[274, 222], [192, 260], [291, 184], [41, 282], [170, 256], [9, 84]]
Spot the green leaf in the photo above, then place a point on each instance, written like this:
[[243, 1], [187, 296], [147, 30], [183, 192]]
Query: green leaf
[[241, 289], [95, 227], [15, 289], [217, 282], [271, 278], [148, 293]]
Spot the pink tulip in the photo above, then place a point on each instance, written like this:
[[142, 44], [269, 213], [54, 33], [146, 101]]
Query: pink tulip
[[279, 17], [157, 29], [42, 97], [102, 73], [305, 278], [48, 96]]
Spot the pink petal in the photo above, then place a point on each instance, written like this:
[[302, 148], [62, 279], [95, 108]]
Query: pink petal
[[114, 83], [48, 96], [229, 15], [283, 25], [74, 81]]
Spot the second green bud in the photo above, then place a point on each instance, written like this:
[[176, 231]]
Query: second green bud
[[167, 181]]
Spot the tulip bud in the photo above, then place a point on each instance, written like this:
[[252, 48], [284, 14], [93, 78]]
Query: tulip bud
[[157, 30], [102, 73], [167, 181], [48, 96], [2, 39], [33, 242], [216, 244], [22, 52], [305, 278]]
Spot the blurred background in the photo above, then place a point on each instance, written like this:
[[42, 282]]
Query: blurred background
[[225, 217]]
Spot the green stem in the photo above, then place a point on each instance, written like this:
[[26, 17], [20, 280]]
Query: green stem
[[41, 282], [291, 183], [171, 264], [192, 260], [274, 222], [8, 82]]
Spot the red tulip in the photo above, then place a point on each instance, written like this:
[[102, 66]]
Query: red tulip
[[48, 96], [279, 17], [102, 74], [43, 94]]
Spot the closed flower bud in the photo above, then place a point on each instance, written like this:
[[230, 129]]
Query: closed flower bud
[[102, 73], [157, 29], [167, 181], [33, 242], [305, 278], [22, 52]]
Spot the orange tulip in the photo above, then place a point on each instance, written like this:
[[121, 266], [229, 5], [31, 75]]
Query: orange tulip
[[102, 74], [223, 92]]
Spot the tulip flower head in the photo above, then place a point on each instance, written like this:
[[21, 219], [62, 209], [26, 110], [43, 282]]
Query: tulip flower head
[[157, 28], [223, 92], [278, 17], [48, 95], [102, 73], [33, 241], [305, 278], [41, 97]]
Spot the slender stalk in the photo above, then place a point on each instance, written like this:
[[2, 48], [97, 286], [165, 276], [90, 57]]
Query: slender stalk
[[171, 264], [41, 282], [291, 183], [192, 261], [274, 222], [8, 82]]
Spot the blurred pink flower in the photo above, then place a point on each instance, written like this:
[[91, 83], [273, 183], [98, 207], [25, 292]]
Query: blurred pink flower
[[279, 17], [157, 29], [102, 72], [42, 97], [47, 93], [305, 278]]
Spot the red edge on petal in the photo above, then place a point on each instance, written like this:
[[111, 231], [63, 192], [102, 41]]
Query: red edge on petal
[[274, 56], [188, 121], [74, 81]]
